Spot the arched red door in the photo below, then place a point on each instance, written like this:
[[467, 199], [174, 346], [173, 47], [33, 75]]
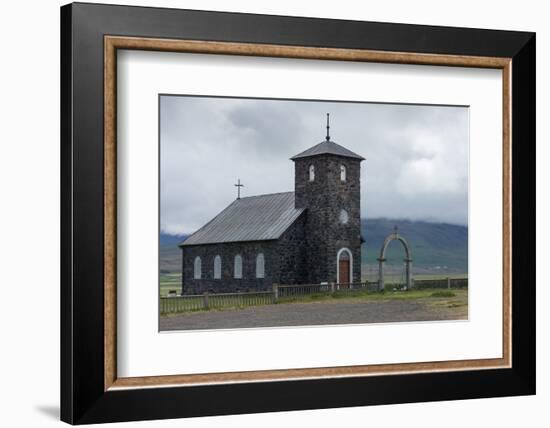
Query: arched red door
[[344, 270]]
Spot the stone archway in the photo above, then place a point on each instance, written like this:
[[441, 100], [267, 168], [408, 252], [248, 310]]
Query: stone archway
[[408, 260]]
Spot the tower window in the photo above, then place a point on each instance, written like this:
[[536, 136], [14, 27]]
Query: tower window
[[217, 267], [342, 173], [260, 265], [197, 268], [344, 217], [238, 270], [311, 173]]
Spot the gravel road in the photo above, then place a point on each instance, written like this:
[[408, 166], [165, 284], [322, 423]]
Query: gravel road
[[298, 314]]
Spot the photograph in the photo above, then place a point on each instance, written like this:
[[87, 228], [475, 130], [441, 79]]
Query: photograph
[[293, 212], [271, 216], [273, 211]]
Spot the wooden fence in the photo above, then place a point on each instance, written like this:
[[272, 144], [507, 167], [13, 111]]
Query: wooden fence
[[308, 289], [206, 301], [441, 283], [197, 302]]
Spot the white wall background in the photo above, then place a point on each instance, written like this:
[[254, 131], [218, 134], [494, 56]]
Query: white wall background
[[29, 218]]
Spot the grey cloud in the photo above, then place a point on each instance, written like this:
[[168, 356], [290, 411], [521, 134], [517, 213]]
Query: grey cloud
[[416, 156]]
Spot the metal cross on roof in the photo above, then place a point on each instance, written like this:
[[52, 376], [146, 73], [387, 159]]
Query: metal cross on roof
[[328, 127], [238, 186]]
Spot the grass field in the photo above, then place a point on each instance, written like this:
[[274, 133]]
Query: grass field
[[170, 281], [397, 278], [457, 297]]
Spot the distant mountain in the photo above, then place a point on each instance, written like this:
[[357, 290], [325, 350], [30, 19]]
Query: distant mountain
[[167, 240], [435, 247], [170, 254]]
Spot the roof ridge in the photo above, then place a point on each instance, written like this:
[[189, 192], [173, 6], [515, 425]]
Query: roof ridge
[[265, 194]]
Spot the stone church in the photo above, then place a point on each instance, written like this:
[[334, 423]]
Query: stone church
[[309, 236]]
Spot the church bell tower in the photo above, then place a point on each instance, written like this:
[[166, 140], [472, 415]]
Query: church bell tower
[[327, 185]]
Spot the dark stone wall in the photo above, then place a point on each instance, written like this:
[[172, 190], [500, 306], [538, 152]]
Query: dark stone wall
[[284, 263], [324, 198], [227, 252], [313, 195], [292, 254], [346, 195]]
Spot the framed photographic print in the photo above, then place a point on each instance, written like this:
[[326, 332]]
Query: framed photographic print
[[265, 213]]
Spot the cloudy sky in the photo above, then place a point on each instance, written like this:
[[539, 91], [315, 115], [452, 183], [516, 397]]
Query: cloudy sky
[[416, 156]]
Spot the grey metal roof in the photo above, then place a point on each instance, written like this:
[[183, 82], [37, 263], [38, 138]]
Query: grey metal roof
[[327, 147], [254, 218]]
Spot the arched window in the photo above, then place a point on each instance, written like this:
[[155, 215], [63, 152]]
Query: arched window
[[342, 173], [260, 265], [217, 267], [311, 173], [238, 271], [197, 268]]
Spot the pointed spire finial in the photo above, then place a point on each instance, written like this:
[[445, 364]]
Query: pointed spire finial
[[328, 127]]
